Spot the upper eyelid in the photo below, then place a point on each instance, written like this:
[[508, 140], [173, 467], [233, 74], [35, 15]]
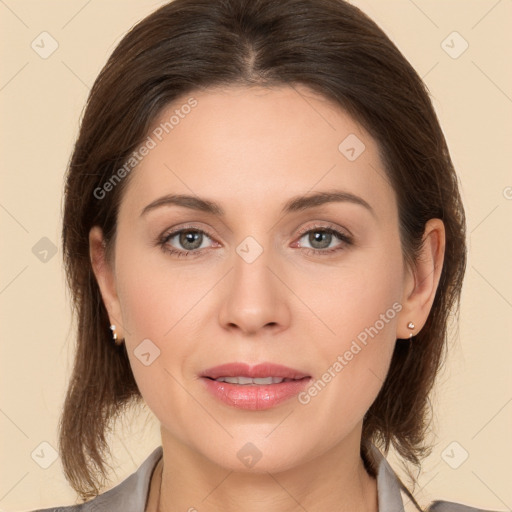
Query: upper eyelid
[[327, 226]]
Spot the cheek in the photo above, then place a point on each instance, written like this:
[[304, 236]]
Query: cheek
[[356, 349], [154, 297], [157, 341], [361, 293], [353, 367], [162, 308]]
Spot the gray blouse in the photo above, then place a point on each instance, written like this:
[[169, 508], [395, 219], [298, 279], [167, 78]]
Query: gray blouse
[[132, 493]]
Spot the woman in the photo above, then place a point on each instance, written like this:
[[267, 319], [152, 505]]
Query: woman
[[264, 239]]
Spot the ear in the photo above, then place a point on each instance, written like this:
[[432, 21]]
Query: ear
[[421, 281], [105, 276]]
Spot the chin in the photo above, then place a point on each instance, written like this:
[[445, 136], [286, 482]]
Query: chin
[[255, 454]]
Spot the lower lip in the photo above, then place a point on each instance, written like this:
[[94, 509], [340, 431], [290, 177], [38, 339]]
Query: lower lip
[[255, 397]]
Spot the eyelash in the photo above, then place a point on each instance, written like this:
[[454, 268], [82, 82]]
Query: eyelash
[[329, 229]]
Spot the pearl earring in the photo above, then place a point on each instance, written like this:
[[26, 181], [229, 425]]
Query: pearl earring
[[410, 325], [114, 334]]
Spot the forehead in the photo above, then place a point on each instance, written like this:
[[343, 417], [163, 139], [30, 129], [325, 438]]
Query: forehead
[[248, 146]]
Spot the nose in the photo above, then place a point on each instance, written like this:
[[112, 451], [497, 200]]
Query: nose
[[255, 296]]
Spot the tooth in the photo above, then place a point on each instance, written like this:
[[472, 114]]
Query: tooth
[[263, 380], [244, 380], [231, 380]]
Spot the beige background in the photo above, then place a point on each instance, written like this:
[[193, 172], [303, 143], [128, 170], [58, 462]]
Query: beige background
[[41, 101]]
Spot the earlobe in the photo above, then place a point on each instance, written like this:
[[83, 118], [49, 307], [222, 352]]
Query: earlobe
[[105, 277], [422, 281]]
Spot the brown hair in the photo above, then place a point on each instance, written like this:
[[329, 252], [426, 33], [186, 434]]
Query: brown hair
[[334, 49]]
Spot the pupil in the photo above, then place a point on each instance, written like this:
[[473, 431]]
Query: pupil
[[189, 237], [318, 236]]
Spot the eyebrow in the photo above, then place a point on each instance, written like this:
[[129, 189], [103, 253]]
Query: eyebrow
[[295, 204]]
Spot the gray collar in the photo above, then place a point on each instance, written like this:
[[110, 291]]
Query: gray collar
[[388, 486]]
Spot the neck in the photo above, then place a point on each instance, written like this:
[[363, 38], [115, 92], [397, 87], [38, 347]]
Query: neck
[[336, 480]]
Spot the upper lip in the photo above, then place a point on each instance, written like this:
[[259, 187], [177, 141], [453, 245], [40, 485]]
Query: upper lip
[[258, 371]]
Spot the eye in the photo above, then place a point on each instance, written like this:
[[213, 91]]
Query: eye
[[189, 240], [321, 239]]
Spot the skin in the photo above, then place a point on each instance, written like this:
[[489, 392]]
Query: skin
[[251, 150]]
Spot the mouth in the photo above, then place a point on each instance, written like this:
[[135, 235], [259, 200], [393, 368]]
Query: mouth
[[257, 387]]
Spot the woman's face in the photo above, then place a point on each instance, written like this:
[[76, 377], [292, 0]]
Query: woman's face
[[263, 282]]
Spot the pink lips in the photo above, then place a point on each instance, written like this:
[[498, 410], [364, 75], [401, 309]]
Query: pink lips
[[254, 397]]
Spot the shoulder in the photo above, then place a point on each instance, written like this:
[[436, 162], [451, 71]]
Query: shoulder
[[128, 496], [451, 506], [393, 496]]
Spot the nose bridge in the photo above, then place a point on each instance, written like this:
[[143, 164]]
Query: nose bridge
[[254, 298], [252, 279]]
